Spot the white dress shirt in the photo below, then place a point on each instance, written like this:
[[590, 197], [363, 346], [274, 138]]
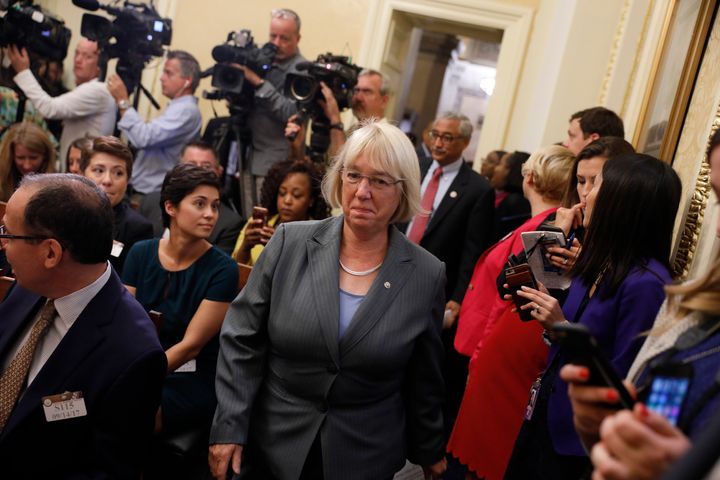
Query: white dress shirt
[[68, 309], [89, 108]]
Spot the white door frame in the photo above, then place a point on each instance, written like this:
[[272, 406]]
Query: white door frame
[[514, 20]]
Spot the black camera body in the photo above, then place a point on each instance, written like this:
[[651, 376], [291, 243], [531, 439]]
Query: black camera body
[[335, 70], [239, 48], [30, 26], [137, 34]]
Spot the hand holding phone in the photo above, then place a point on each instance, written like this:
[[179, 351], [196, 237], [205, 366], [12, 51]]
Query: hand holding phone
[[260, 213], [516, 277], [580, 348], [668, 390]]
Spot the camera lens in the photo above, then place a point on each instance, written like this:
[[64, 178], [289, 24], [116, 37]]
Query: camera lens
[[303, 88]]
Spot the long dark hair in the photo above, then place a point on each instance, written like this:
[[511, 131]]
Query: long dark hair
[[514, 180], [632, 220]]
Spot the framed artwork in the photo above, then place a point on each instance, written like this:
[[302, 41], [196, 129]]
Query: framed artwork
[[675, 67]]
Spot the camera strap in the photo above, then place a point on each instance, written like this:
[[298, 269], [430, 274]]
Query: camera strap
[[20, 112]]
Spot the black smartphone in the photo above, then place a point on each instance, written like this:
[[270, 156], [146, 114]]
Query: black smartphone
[[668, 390], [516, 277], [580, 348], [260, 213]]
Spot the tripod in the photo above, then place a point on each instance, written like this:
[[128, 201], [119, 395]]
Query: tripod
[[231, 137]]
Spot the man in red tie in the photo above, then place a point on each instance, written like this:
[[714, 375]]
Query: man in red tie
[[456, 226]]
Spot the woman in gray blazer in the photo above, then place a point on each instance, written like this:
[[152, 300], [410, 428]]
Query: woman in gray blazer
[[330, 361]]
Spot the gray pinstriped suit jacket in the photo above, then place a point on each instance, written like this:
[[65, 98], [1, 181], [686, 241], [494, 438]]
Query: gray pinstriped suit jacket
[[374, 396]]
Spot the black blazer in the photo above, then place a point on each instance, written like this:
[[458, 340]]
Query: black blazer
[[461, 228], [129, 228], [112, 355]]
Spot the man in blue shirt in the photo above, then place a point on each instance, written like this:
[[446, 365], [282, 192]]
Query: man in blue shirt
[[160, 140]]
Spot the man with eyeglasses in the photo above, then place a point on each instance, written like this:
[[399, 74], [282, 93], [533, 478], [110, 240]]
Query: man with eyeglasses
[[370, 97], [81, 368], [456, 226]]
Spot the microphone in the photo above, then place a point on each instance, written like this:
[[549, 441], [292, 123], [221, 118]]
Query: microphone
[[92, 5], [223, 53]]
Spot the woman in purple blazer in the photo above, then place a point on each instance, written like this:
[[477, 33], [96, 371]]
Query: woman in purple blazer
[[616, 292]]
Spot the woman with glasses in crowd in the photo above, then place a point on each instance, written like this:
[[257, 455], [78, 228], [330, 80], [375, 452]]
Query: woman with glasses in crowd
[[330, 361]]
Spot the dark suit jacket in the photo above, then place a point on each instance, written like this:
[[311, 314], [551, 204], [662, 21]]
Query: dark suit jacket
[[111, 354], [224, 235], [374, 396], [461, 228], [129, 228]]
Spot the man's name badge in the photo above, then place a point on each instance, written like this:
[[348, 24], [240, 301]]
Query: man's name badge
[[64, 406], [117, 248], [189, 366]]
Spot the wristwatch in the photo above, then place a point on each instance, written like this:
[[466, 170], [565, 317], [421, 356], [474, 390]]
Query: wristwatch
[[338, 126], [124, 104]]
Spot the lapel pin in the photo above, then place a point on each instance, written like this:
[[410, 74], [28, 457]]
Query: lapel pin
[[453, 194], [387, 284]]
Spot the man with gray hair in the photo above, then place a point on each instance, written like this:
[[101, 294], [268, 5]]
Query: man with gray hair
[[456, 226], [160, 140], [272, 108], [370, 97]]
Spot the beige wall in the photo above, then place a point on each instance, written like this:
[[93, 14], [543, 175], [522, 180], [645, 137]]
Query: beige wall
[[564, 68], [199, 25]]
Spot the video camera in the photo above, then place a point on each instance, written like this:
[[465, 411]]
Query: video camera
[[30, 26], [340, 76], [335, 70], [137, 34], [228, 81]]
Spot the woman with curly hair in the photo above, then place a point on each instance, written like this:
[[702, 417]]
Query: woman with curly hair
[[291, 192], [26, 148]]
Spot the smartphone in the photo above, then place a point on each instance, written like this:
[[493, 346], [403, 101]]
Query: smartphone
[[260, 213], [668, 390], [516, 277], [580, 348]]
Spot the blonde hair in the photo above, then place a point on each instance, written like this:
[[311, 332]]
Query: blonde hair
[[387, 149], [551, 167], [699, 295], [34, 139]]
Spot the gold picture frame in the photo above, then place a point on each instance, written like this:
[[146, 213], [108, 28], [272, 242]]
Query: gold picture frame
[[668, 94]]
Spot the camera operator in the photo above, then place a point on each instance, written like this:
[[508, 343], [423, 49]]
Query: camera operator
[[370, 97], [272, 109], [88, 109], [160, 140]]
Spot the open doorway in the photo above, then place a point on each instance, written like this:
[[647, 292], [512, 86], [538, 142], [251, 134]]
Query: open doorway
[[422, 46], [449, 73]]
